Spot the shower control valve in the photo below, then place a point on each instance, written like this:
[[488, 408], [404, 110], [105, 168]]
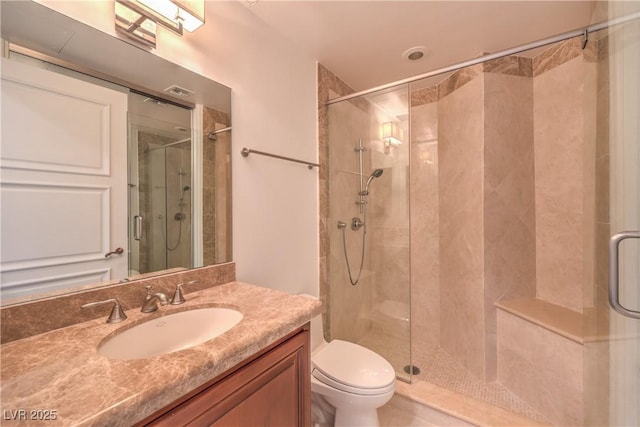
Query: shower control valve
[[356, 223]]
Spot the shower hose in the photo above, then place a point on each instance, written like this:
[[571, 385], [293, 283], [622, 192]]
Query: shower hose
[[164, 237], [344, 247]]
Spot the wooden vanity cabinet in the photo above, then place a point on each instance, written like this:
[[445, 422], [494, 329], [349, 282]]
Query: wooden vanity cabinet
[[270, 389]]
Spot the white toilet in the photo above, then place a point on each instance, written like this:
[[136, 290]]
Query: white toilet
[[354, 380]]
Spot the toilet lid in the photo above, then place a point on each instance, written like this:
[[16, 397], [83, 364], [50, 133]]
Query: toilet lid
[[353, 365]]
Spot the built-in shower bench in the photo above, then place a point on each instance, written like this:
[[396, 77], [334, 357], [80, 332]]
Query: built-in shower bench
[[557, 319], [540, 348]]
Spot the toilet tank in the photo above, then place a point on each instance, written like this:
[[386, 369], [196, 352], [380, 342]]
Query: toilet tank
[[317, 335]]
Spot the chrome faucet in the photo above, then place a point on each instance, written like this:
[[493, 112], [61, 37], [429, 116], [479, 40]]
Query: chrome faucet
[[117, 314], [153, 301], [178, 297]]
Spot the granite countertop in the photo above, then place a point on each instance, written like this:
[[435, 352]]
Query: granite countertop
[[62, 371]]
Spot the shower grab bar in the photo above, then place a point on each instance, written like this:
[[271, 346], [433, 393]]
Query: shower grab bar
[[614, 285], [246, 151]]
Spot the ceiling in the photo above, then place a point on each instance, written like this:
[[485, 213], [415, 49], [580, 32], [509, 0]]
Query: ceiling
[[363, 41]]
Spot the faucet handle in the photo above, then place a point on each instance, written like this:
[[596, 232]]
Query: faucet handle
[[178, 298], [116, 315]]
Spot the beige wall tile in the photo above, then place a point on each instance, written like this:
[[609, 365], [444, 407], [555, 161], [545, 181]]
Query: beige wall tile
[[460, 162], [509, 202], [559, 184]]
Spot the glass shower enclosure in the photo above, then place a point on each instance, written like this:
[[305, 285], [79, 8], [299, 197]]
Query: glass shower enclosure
[[368, 262]]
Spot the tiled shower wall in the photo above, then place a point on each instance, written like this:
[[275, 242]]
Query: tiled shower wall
[[563, 111], [461, 169], [501, 166], [514, 162], [481, 214]]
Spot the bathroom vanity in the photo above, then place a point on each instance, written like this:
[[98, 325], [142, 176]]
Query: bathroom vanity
[[256, 373], [271, 390]]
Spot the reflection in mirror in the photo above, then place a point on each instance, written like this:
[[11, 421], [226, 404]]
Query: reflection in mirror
[[159, 159], [216, 187], [176, 175]]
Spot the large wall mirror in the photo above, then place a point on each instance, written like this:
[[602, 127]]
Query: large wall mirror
[[108, 172]]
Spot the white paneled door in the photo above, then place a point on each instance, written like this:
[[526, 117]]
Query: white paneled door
[[63, 196]]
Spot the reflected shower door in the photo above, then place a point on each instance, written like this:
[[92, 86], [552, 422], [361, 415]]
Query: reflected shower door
[[160, 181], [169, 206], [369, 255]]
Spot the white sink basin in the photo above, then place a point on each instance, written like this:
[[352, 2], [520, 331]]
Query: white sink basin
[[170, 333]]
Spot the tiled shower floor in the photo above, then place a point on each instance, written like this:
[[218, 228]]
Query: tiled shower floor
[[437, 367]]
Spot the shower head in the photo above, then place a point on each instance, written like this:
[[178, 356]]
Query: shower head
[[377, 173]]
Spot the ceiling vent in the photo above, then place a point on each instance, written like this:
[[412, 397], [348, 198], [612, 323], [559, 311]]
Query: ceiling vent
[[416, 53], [179, 91]]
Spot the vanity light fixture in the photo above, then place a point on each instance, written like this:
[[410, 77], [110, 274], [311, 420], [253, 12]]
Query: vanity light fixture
[[391, 135], [134, 25], [137, 19]]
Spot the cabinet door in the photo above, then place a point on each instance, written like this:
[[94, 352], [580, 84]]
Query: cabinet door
[[273, 390]]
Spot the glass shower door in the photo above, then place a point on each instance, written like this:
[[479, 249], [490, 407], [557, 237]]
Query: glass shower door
[[612, 348], [369, 259], [624, 330]]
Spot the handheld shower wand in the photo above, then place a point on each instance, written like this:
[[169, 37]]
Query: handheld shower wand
[[356, 224], [377, 173]]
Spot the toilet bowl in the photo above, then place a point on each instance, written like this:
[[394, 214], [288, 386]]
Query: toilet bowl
[[354, 380]]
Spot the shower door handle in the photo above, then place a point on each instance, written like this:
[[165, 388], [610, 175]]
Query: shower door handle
[[614, 285], [137, 227]]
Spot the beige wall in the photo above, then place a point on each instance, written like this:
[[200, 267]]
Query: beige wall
[[461, 170], [516, 215], [487, 224], [560, 186], [509, 205]]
